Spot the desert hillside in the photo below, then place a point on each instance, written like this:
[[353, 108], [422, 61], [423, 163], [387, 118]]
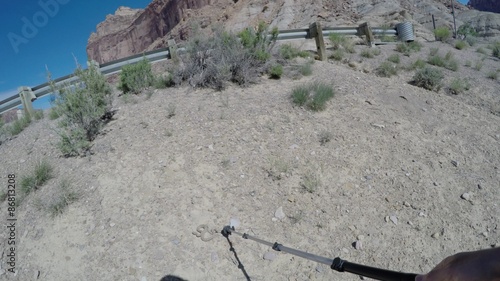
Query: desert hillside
[[406, 175]]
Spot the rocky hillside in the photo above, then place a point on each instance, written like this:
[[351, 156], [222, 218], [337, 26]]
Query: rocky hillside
[[486, 5], [133, 31]]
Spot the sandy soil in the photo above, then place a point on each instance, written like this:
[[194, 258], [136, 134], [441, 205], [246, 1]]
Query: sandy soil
[[392, 174]]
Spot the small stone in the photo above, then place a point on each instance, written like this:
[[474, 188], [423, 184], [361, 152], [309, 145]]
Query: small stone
[[234, 222], [386, 218], [279, 214], [291, 199], [319, 268], [270, 256], [394, 219], [214, 257], [436, 235], [360, 237], [454, 163], [144, 279], [211, 147], [358, 245], [37, 274], [345, 250], [294, 146], [378, 125], [410, 223], [112, 224], [421, 214], [467, 196], [485, 234], [313, 153], [406, 204]]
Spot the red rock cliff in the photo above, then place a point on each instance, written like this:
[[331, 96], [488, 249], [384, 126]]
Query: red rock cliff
[[132, 31]]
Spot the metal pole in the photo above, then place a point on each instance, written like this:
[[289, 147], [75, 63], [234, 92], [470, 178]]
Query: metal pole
[[454, 24]]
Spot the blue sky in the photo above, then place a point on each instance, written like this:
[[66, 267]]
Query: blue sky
[[39, 33]]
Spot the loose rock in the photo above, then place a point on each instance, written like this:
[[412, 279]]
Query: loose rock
[[358, 245], [279, 214], [270, 256], [436, 235], [394, 219], [467, 196]]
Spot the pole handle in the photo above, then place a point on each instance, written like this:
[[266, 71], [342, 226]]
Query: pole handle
[[371, 272]]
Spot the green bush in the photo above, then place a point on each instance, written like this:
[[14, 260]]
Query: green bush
[[19, 125], [366, 53], [386, 69], [467, 30], [492, 75], [394, 58], [287, 51], [340, 41], [212, 61], [471, 40], [481, 51], [433, 51], [276, 71], [460, 45], [62, 198], [417, 64], [337, 55], [306, 69], [478, 65], [468, 63], [442, 33], [408, 48], [428, 78], [53, 114], [162, 82], [136, 77], [495, 51], [314, 95], [458, 86], [84, 108], [42, 173], [448, 61]]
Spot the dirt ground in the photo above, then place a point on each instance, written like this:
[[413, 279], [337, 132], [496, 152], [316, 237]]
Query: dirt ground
[[386, 163]]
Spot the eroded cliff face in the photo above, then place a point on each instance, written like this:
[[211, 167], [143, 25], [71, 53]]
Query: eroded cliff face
[[131, 31], [486, 5]]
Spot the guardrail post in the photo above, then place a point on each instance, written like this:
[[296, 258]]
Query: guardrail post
[[365, 29], [316, 31], [27, 97], [172, 49]]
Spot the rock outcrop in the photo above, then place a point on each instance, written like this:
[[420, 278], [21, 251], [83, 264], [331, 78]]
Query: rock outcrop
[[486, 5], [131, 31]]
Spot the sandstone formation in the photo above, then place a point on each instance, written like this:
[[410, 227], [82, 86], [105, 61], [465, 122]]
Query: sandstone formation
[[485, 5]]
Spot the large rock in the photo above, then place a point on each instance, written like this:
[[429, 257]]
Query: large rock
[[485, 5], [132, 31]]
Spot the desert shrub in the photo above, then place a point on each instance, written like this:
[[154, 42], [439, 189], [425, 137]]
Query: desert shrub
[[386, 69], [306, 69], [42, 173], [468, 63], [417, 64], [495, 51], [313, 95], [436, 60], [61, 199], [478, 65], [311, 182], [340, 41], [460, 45], [83, 107], [481, 51], [408, 48], [162, 82], [428, 78], [467, 30], [136, 77], [53, 113], [337, 55], [458, 86], [16, 127], [366, 53], [442, 33], [212, 61], [471, 40], [492, 75], [324, 137], [448, 61], [433, 51], [300, 95], [287, 51], [394, 58], [276, 71]]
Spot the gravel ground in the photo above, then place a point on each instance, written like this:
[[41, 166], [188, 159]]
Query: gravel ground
[[401, 178]]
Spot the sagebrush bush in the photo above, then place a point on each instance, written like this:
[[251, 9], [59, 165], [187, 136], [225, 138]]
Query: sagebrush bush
[[212, 61], [276, 71], [481, 51], [458, 86], [313, 95], [366, 53], [428, 78], [136, 77], [417, 64], [386, 69], [408, 48], [42, 173], [442, 33], [433, 51], [448, 61], [16, 127], [337, 55], [83, 108], [341, 42], [478, 65], [287, 51], [460, 45], [38, 115], [62, 198], [493, 75], [394, 58], [467, 30], [162, 82], [495, 51], [306, 69]]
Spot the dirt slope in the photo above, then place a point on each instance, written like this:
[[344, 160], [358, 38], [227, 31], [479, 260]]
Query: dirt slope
[[395, 151]]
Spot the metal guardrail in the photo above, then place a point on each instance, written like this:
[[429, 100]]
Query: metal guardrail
[[113, 67]]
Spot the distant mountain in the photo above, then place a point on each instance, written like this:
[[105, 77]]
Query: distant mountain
[[486, 5]]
